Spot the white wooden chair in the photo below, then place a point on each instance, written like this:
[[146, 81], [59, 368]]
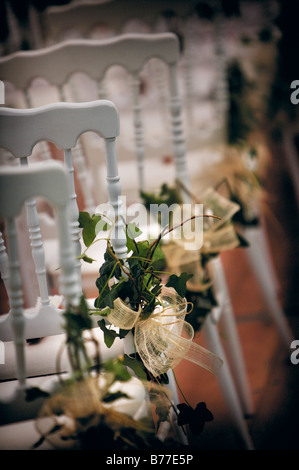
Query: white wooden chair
[[98, 20], [19, 184], [21, 73], [237, 399], [82, 18], [91, 12], [258, 252], [170, 52], [22, 129], [57, 64], [34, 369], [165, 47], [40, 64]]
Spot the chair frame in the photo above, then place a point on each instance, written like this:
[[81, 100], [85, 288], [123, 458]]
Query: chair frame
[[101, 117], [82, 55], [134, 64], [32, 181]]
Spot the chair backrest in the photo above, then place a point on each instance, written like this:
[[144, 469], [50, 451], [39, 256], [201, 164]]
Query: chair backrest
[[18, 185], [62, 124], [83, 17], [31, 65], [94, 58], [100, 19]]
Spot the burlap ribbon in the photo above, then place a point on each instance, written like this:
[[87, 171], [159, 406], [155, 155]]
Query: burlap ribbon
[[164, 338], [218, 235], [235, 168]]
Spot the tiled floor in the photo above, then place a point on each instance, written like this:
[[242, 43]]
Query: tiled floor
[[273, 380]]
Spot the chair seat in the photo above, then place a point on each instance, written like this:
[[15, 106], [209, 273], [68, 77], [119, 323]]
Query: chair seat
[[42, 354], [24, 434], [21, 436], [96, 252]]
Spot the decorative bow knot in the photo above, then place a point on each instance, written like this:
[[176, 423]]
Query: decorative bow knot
[[239, 170], [164, 338]]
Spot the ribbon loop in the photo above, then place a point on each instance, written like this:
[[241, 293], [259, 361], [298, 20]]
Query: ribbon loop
[[164, 338], [122, 316]]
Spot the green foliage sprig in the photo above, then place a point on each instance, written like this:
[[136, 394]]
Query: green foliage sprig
[[241, 119], [138, 276], [166, 195], [137, 281]]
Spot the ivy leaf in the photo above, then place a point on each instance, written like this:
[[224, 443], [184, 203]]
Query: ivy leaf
[[109, 265], [109, 397], [196, 418], [100, 224], [104, 312], [141, 249], [117, 367], [151, 298], [91, 225], [109, 334], [86, 258], [77, 319], [133, 230], [167, 195], [242, 240], [179, 283], [161, 404], [130, 244], [123, 333], [136, 365], [106, 295], [84, 218], [203, 302], [104, 291], [83, 307], [33, 393], [158, 259], [88, 228]]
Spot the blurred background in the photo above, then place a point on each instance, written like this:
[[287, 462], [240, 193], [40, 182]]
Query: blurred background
[[238, 76]]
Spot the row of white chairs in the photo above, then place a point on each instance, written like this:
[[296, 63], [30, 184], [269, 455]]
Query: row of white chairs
[[57, 63], [234, 399], [28, 125]]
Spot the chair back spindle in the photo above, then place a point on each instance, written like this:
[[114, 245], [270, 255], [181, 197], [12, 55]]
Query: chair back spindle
[[62, 123]]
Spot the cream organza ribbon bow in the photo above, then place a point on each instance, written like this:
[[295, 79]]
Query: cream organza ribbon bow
[[184, 249], [164, 338]]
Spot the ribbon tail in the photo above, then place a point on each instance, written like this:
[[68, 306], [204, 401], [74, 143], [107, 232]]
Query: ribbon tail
[[203, 358]]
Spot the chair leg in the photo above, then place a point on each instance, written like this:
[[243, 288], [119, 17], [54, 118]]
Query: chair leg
[[175, 398], [226, 382], [261, 262], [233, 345], [236, 359], [129, 349]]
